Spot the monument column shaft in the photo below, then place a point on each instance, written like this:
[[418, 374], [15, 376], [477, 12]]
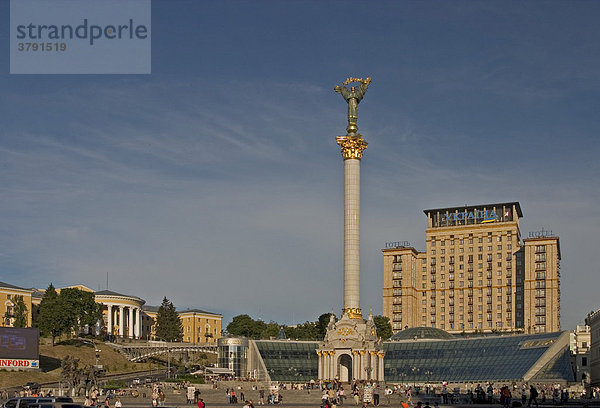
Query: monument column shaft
[[352, 233]]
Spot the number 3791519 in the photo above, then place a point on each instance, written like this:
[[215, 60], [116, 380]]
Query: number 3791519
[[44, 46]]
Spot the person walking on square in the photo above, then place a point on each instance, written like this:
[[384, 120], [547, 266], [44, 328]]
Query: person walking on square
[[356, 395], [533, 393], [341, 396]]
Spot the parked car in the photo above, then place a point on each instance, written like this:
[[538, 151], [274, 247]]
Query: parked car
[[54, 405], [26, 402]]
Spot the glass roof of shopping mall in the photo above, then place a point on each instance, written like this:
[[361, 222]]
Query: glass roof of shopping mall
[[497, 358], [421, 333], [291, 361]]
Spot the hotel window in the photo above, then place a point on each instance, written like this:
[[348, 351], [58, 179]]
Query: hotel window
[[451, 250], [480, 240], [499, 247], [489, 238], [489, 248], [509, 246], [433, 252], [443, 242], [499, 238]]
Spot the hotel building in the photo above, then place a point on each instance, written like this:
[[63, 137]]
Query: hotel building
[[476, 274]]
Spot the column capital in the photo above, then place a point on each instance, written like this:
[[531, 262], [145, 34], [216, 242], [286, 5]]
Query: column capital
[[352, 146]]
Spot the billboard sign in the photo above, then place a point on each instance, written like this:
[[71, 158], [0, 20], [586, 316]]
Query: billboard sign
[[19, 345]]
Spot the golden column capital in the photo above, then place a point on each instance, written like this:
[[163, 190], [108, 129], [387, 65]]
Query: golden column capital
[[352, 146]]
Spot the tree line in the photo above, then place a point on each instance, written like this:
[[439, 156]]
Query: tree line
[[244, 325]]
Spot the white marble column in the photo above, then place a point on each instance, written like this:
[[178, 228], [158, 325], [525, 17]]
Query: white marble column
[[362, 365], [352, 233], [381, 367], [130, 322], [321, 376], [121, 320], [109, 322], [138, 323]]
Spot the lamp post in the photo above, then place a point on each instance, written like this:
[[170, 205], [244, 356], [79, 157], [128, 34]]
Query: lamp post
[[403, 376], [415, 370], [428, 374], [168, 356]]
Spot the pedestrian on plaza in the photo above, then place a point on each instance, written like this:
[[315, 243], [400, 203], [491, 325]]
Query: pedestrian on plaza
[[445, 395], [533, 393], [261, 396], [340, 395], [201, 403], [376, 391], [118, 403], [356, 395]]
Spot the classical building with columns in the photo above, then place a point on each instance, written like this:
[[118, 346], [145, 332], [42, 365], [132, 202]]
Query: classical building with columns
[[122, 314]]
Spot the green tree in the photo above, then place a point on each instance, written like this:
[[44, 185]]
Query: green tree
[[322, 325], [244, 325], [269, 330], [168, 323], [304, 331], [81, 308], [20, 312], [53, 320], [384, 327]]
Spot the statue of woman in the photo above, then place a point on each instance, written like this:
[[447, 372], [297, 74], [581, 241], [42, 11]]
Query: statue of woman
[[353, 96]]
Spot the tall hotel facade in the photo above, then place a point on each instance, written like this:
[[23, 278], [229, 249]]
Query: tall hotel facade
[[476, 274]]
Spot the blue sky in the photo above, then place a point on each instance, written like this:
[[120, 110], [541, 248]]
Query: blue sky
[[216, 180]]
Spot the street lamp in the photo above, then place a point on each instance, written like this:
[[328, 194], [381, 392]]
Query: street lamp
[[428, 374], [415, 370]]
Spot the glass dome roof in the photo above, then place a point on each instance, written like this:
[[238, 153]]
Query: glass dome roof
[[421, 333]]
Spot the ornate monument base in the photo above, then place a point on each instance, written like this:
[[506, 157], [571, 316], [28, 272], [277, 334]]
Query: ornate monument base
[[351, 351]]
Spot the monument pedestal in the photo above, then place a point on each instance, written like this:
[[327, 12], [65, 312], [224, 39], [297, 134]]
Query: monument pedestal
[[351, 351]]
